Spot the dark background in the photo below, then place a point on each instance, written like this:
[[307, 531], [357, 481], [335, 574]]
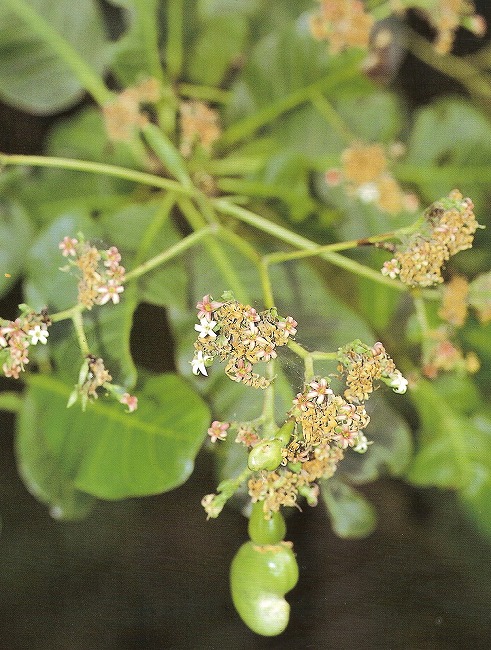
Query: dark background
[[152, 573]]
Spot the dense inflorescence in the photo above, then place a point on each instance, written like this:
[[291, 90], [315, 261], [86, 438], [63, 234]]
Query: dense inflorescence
[[239, 335], [448, 226]]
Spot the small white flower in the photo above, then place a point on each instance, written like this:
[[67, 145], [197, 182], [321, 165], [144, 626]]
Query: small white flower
[[198, 363], [391, 268], [361, 444], [368, 192], [205, 328], [398, 383], [39, 334]]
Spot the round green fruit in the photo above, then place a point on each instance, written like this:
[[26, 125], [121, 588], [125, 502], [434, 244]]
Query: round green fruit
[[260, 576], [265, 455]]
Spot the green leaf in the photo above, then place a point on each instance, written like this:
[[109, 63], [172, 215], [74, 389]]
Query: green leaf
[[32, 76], [476, 497], [391, 450], [352, 516], [15, 236], [449, 146], [208, 63], [42, 470], [111, 454], [452, 449]]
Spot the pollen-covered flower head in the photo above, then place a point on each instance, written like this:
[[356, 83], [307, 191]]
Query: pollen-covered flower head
[[239, 335], [101, 276], [343, 24], [17, 336], [447, 227]]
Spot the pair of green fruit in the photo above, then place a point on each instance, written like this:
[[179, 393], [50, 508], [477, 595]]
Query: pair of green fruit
[[262, 572]]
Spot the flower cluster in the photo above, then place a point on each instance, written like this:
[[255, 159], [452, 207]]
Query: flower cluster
[[16, 337], [241, 336], [325, 426], [441, 354], [448, 227], [343, 23], [102, 276], [447, 16], [199, 124], [365, 174], [454, 307], [362, 365], [93, 375], [123, 116]]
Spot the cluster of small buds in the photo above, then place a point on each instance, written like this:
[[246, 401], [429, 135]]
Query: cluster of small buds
[[199, 125], [123, 116], [102, 275], [16, 337], [241, 336], [362, 365], [444, 355], [364, 172], [448, 227], [343, 24]]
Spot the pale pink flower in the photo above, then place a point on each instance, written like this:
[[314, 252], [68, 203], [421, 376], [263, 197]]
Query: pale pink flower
[[67, 246], [131, 402], [289, 325], [207, 306], [218, 430], [320, 390], [110, 291]]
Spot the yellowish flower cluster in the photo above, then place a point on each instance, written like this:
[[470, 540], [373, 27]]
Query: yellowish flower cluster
[[454, 307], [102, 276], [444, 355], [325, 425], [241, 336], [447, 228], [17, 336], [343, 23], [199, 124], [123, 116], [365, 172], [447, 15]]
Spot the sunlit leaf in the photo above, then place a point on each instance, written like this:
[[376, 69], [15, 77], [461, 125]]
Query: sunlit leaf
[[111, 454]]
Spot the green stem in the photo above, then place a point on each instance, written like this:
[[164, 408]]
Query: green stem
[[78, 324], [275, 258], [149, 37], [303, 243], [233, 165], [269, 426], [161, 216], [332, 117], [66, 313], [205, 93], [267, 288], [10, 402], [197, 222], [447, 174], [173, 251], [174, 49], [97, 168], [86, 75], [248, 125]]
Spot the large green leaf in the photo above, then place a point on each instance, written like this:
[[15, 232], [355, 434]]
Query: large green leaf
[[352, 516], [15, 236], [42, 470], [450, 146], [32, 76], [104, 451], [453, 451]]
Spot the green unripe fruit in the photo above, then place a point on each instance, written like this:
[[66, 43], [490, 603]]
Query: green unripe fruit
[[265, 531], [265, 455], [284, 433], [260, 576]]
